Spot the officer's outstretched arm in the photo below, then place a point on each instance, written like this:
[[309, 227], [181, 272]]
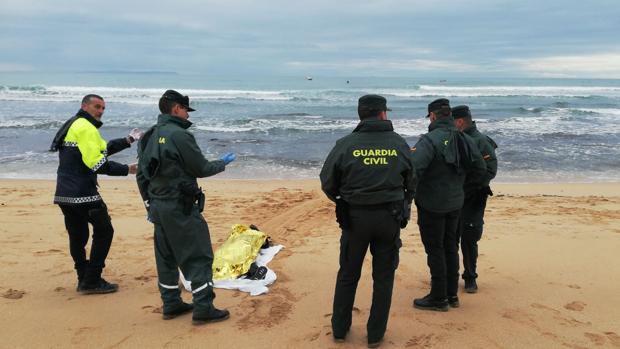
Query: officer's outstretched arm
[[195, 163], [116, 145]]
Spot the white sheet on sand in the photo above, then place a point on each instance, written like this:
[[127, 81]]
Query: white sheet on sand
[[254, 287]]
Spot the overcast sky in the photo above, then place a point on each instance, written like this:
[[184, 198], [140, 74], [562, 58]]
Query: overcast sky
[[321, 37]]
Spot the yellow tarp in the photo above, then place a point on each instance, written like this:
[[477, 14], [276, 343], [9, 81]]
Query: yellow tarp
[[234, 257]]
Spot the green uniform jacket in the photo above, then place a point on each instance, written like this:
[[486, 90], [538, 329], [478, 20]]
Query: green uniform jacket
[[487, 148], [168, 156], [443, 158], [370, 166]]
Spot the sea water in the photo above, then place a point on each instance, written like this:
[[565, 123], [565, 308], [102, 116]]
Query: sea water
[[547, 130]]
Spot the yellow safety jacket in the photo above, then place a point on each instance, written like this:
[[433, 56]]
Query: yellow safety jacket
[[82, 154]]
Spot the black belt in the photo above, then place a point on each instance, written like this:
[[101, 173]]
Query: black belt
[[381, 206]]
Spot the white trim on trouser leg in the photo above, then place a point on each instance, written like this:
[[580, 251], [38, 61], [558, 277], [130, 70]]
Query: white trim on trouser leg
[[168, 286], [202, 287]]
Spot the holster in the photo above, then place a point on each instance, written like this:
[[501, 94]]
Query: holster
[[201, 201], [191, 194], [406, 216], [342, 214], [397, 210], [487, 191]]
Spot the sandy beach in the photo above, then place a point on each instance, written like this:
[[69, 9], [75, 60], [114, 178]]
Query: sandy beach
[[548, 268]]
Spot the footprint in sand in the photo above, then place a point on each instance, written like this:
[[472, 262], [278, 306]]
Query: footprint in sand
[[422, 341], [597, 339], [13, 294], [614, 338], [313, 337], [576, 306], [48, 252], [152, 308], [264, 313]]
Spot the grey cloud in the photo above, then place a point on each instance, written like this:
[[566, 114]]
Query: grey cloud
[[464, 37]]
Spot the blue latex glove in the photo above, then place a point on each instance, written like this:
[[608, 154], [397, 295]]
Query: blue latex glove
[[228, 158]]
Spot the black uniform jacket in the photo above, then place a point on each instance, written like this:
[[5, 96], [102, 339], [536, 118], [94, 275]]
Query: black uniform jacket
[[443, 158], [370, 166]]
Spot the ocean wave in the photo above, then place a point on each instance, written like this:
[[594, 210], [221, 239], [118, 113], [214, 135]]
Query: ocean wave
[[264, 125], [128, 94], [30, 124], [30, 156], [599, 111], [137, 95], [505, 91], [531, 109]]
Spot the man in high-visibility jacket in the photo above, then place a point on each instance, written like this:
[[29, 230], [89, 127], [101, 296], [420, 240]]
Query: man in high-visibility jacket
[[83, 154]]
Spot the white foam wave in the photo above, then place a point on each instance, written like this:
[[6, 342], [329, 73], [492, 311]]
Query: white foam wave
[[267, 125], [601, 111], [130, 94], [505, 91], [553, 121], [138, 95]]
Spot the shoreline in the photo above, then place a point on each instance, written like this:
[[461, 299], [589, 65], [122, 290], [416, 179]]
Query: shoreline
[[522, 188]]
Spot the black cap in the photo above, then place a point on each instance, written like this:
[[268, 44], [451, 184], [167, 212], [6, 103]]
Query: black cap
[[373, 102], [176, 97], [437, 104], [461, 111]]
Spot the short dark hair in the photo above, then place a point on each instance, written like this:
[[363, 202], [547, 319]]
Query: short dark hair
[[468, 119], [87, 98], [166, 105], [443, 112], [365, 113]]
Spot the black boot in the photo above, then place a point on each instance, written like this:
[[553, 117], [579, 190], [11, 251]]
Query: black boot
[[471, 286], [174, 311], [341, 338], [453, 301], [81, 272], [98, 287], [204, 310], [375, 343], [430, 303], [211, 315]]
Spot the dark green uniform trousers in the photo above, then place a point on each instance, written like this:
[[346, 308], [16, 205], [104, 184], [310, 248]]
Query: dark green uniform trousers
[[470, 232], [182, 241], [375, 226], [439, 236]]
